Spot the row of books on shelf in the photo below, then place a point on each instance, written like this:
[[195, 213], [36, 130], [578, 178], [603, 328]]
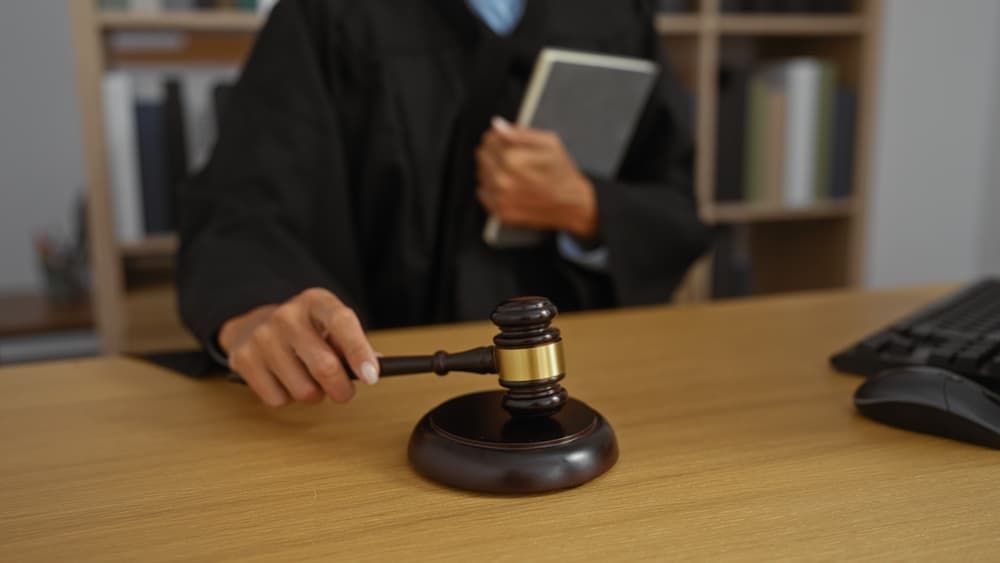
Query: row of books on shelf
[[185, 5], [159, 127], [762, 6], [785, 134]]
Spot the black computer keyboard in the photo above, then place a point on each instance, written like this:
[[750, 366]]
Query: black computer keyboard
[[960, 333]]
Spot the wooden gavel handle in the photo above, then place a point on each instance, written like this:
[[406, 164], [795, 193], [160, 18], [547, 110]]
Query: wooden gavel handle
[[476, 360]]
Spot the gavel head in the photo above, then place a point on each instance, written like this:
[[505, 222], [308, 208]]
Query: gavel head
[[529, 358]]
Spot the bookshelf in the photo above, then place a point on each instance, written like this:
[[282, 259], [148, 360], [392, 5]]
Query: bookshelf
[[208, 20], [815, 246]]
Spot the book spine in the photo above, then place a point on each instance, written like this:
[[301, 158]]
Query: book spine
[[825, 131], [800, 136], [122, 156], [153, 166], [674, 6], [843, 144], [175, 142], [731, 133], [774, 144], [753, 159]]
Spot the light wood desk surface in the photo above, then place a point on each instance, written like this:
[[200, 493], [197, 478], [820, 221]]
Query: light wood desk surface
[[737, 442]]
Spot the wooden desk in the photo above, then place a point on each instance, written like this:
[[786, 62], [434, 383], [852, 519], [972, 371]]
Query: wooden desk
[[737, 442]]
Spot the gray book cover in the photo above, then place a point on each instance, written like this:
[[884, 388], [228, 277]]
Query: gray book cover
[[593, 103]]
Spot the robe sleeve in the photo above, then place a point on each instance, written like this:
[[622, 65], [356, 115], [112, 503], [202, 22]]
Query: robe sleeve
[[648, 215], [246, 218]]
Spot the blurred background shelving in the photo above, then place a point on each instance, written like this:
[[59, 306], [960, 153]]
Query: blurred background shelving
[[776, 247]]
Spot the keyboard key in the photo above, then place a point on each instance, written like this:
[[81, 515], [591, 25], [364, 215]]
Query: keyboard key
[[952, 335], [960, 332], [941, 357], [898, 346], [991, 369], [876, 342], [968, 360]]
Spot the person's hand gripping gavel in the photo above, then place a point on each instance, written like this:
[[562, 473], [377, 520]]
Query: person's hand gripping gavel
[[298, 351]]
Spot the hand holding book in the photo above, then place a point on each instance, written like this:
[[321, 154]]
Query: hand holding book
[[526, 178], [589, 103]]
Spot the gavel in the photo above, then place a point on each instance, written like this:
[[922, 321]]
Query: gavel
[[526, 354], [531, 437]]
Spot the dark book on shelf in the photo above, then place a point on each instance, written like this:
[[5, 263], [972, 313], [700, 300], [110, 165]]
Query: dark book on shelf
[[156, 197], [730, 135], [674, 6], [797, 6], [175, 142], [830, 6], [845, 110], [731, 5], [732, 265]]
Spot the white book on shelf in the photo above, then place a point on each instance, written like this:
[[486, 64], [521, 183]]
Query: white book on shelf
[[146, 5], [802, 80], [197, 85], [199, 110], [122, 156], [264, 6]]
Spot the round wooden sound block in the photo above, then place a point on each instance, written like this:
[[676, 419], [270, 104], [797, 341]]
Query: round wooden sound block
[[471, 442]]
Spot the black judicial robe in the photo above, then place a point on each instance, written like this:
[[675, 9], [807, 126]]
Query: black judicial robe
[[345, 161]]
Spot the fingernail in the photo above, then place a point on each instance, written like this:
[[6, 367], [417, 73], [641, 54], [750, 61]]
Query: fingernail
[[369, 373], [501, 124]]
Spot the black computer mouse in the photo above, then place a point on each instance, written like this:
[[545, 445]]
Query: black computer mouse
[[932, 401]]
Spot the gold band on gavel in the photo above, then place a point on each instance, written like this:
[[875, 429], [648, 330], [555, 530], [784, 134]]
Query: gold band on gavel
[[530, 364]]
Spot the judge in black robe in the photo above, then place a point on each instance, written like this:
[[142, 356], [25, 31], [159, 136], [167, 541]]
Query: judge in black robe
[[345, 161]]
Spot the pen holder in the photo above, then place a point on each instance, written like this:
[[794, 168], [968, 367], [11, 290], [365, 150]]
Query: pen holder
[[63, 269]]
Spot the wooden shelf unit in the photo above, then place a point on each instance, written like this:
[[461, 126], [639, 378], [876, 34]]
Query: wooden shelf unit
[[679, 24], [788, 25], [127, 316], [154, 246], [721, 213], [205, 20], [757, 24]]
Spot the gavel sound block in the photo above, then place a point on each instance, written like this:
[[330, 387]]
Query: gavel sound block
[[530, 438]]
